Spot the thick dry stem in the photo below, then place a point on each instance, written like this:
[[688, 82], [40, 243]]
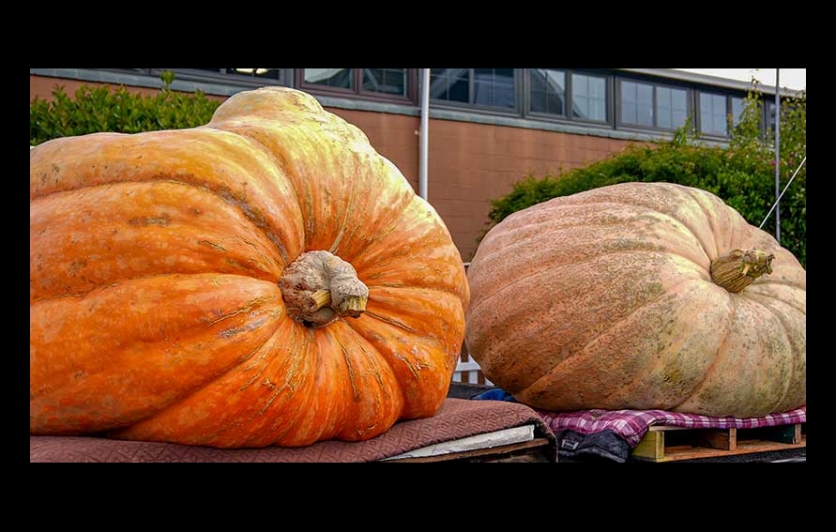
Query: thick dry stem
[[736, 269], [319, 287]]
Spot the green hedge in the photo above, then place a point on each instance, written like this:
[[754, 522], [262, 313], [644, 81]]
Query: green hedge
[[101, 108], [743, 174]]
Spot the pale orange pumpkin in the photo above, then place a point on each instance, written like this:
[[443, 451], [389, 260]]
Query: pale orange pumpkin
[[639, 296], [266, 279]]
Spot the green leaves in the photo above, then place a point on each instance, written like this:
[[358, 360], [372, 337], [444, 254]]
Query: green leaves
[[101, 108]]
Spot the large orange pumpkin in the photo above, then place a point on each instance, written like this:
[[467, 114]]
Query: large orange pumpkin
[[266, 279], [639, 296]]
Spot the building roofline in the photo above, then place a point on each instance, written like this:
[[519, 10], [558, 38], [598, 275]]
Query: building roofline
[[716, 81]]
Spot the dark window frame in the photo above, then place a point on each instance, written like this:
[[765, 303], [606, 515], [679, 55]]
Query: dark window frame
[[357, 91], [568, 102], [619, 122]]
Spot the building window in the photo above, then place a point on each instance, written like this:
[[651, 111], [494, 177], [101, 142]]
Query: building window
[[249, 76], [649, 105], [548, 91], [385, 81], [339, 78], [489, 87], [494, 87], [637, 103], [589, 97], [671, 107], [713, 114], [379, 83], [719, 111], [554, 91]]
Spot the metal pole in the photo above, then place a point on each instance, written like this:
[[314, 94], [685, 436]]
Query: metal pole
[[425, 133], [777, 157]]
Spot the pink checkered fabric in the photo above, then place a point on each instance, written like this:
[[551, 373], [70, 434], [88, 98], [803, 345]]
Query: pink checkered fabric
[[632, 425]]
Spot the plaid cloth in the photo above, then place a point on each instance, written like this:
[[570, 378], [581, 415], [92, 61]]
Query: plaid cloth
[[631, 425]]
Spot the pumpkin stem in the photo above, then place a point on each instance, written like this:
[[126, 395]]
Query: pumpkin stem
[[319, 287], [736, 269]]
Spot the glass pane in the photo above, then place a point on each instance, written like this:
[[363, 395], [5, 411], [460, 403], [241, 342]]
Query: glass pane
[[713, 114], [671, 107], [555, 81], [663, 97], [679, 118], [580, 84], [628, 113], [636, 103], [628, 93], [737, 109], [482, 92], [385, 80], [450, 84], [439, 84], [770, 115], [548, 90], [269, 73], [679, 108], [598, 109], [679, 99], [494, 87], [539, 101], [460, 87], [597, 88], [505, 96], [329, 77], [589, 97], [644, 94], [644, 115], [705, 112], [580, 106]]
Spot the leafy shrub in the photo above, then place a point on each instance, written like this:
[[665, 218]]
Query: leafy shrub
[[100, 108], [742, 174]]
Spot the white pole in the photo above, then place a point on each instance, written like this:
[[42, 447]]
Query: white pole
[[425, 133], [777, 157]]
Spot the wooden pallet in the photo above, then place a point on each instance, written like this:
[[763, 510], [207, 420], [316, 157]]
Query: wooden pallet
[[667, 444]]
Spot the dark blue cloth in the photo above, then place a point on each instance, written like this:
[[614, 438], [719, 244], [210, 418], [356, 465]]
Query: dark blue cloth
[[495, 394], [571, 444]]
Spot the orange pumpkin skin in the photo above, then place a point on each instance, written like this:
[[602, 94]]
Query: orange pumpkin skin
[[605, 299], [155, 311]]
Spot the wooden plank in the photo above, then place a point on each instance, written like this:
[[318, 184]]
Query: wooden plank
[[651, 446], [670, 453], [725, 439]]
